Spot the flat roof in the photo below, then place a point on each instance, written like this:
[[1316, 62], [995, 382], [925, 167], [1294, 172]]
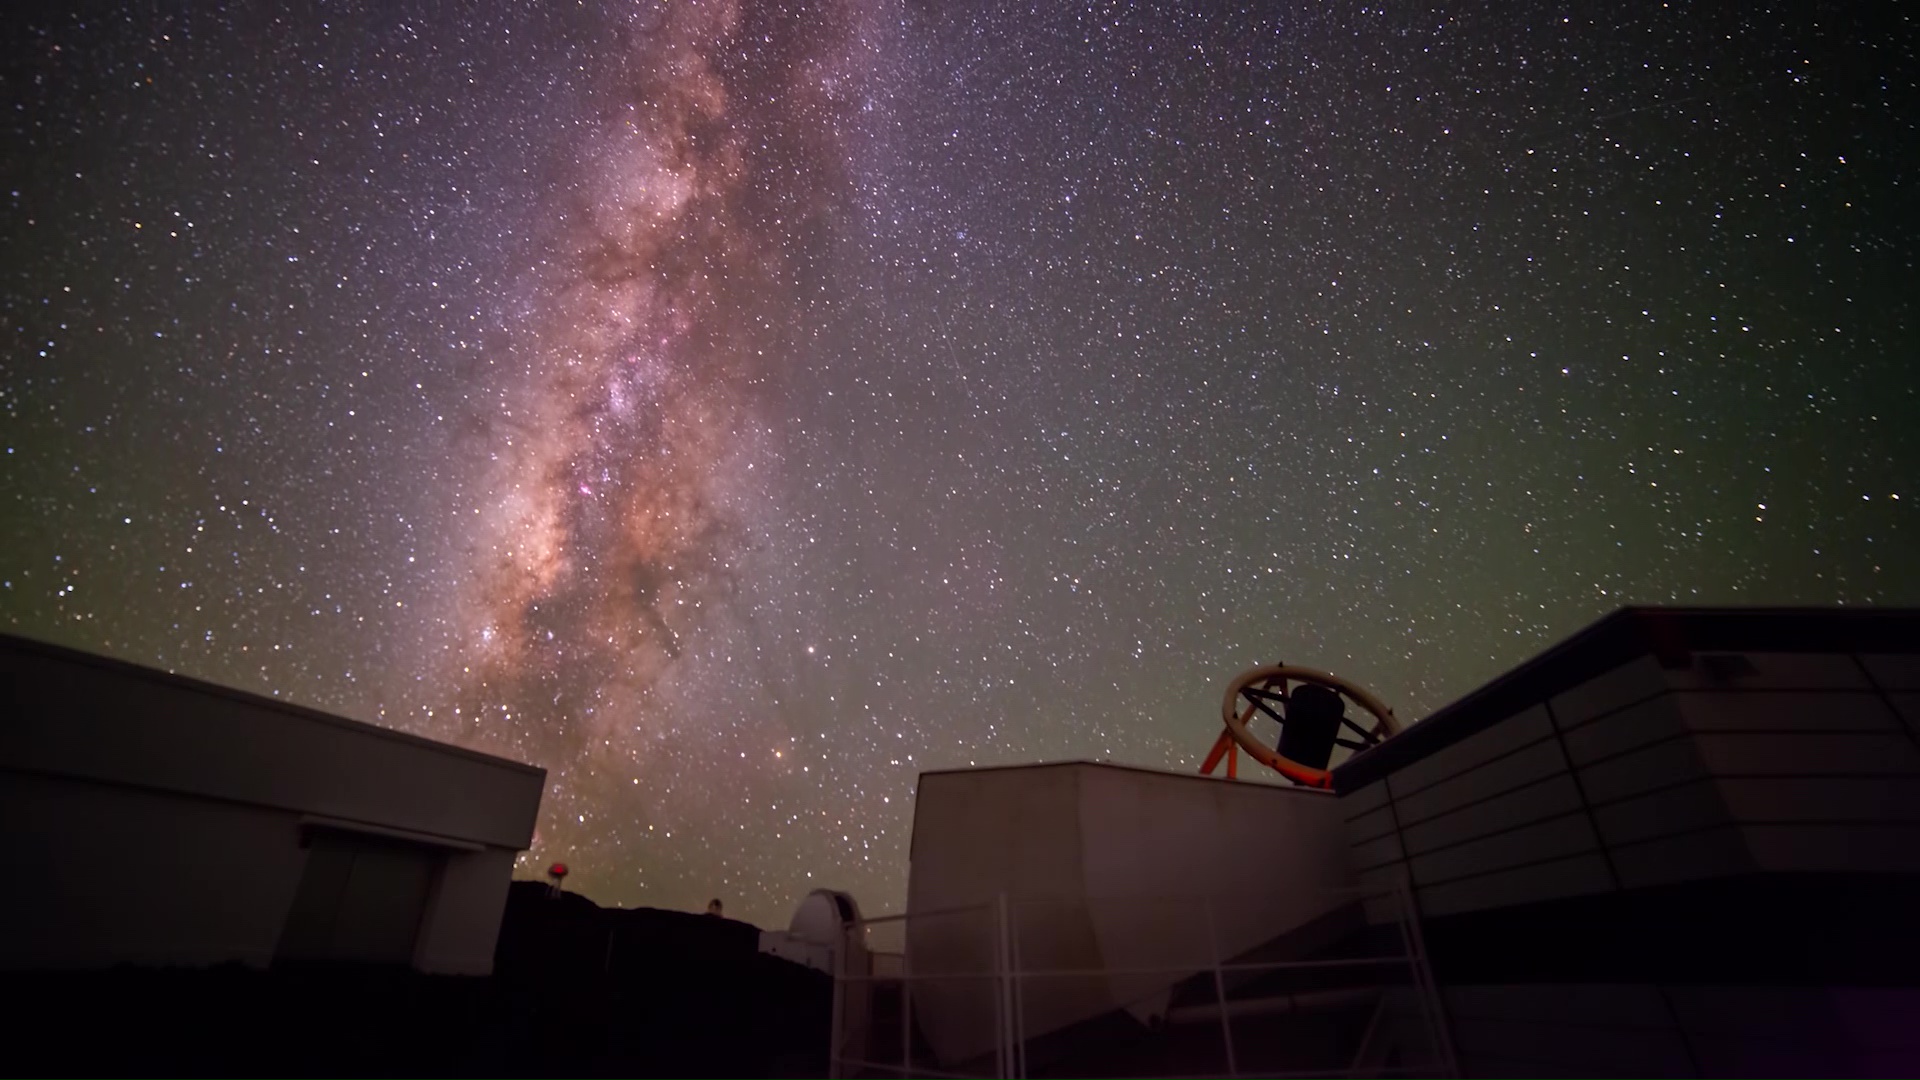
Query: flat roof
[[1276, 783], [1671, 634], [29, 646]]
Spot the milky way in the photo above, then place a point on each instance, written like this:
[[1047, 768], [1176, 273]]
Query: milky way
[[737, 410], [620, 508]]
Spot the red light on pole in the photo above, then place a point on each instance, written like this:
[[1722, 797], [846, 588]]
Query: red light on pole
[[558, 872]]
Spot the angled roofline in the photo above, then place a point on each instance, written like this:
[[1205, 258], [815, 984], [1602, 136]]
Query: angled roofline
[[1672, 634], [14, 643]]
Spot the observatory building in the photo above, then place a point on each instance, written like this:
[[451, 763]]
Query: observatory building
[[1681, 843], [157, 820]]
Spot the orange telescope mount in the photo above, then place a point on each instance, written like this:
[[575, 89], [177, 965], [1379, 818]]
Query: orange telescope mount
[[1311, 708]]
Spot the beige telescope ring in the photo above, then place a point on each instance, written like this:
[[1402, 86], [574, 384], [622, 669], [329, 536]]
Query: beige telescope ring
[[1257, 691]]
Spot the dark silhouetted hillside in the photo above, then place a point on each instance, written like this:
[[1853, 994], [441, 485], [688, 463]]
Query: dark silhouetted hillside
[[578, 990]]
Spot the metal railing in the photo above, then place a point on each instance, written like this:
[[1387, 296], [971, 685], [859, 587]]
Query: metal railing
[[980, 990]]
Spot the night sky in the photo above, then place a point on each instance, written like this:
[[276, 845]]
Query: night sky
[[736, 411]]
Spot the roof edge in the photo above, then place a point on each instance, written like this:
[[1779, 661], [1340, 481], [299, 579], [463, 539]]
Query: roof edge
[[33, 646]]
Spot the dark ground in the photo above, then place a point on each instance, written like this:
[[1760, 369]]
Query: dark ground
[[679, 994]]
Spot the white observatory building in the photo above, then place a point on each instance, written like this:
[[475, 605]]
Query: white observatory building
[[160, 821], [1680, 843]]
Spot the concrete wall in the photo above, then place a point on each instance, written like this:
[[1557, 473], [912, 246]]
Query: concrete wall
[[1648, 775], [1103, 867], [162, 821]]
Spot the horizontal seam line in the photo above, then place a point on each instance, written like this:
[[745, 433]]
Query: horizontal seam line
[[1444, 778], [1699, 691], [1558, 771], [191, 795], [1381, 809], [1713, 778], [1604, 713], [1464, 807], [1743, 823], [1504, 830], [1692, 733]]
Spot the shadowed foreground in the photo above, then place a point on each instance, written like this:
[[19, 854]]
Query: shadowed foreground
[[577, 990]]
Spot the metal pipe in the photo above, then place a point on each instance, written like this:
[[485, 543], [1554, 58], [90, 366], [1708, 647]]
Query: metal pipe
[[1019, 1006], [1220, 992], [1003, 1060], [839, 993], [1425, 988], [906, 1015]]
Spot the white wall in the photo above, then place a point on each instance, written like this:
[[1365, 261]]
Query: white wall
[[108, 874], [1649, 776], [976, 835], [1242, 863], [1103, 867], [462, 923], [1645, 776], [84, 717], [158, 821]]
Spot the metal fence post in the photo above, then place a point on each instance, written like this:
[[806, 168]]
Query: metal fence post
[[1003, 962], [1220, 991], [1019, 1005], [1425, 988], [839, 1006], [906, 1002]]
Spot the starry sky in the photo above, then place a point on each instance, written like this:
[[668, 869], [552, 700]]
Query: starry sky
[[737, 408]]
